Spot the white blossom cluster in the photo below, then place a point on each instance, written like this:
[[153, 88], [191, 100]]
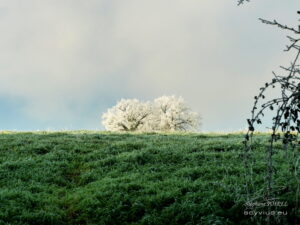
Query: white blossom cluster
[[166, 113]]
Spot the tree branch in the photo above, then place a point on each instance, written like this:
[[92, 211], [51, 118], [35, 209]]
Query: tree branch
[[242, 1], [285, 27]]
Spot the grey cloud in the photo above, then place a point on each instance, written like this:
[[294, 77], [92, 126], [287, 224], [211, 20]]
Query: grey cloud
[[65, 57]]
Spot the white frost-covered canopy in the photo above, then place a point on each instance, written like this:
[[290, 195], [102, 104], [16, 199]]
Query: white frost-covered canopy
[[173, 114], [166, 113], [127, 115]]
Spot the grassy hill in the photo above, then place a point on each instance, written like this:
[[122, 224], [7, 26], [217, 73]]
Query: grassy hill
[[109, 178]]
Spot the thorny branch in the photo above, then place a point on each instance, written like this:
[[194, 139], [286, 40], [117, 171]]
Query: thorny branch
[[286, 107]]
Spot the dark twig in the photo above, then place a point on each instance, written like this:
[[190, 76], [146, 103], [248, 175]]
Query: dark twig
[[285, 27], [287, 107]]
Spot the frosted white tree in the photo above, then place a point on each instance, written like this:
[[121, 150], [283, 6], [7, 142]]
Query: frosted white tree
[[167, 113], [127, 115], [172, 114]]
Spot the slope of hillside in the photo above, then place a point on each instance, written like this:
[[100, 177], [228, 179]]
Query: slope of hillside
[[109, 178]]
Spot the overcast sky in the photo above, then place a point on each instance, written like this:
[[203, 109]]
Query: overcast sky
[[64, 62]]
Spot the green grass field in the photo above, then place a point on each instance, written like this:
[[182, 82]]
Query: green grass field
[[110, 178]]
